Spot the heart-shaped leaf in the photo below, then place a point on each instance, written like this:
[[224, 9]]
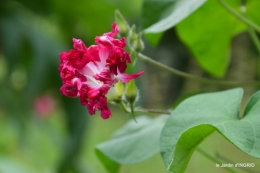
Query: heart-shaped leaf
[[198, 116], [133, 143]]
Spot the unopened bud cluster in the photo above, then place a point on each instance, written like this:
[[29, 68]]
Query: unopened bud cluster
[[134, 39], [124, 92], [128, 93]]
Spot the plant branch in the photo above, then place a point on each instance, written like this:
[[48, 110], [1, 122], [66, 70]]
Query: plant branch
[[239, 16], [194, 77]]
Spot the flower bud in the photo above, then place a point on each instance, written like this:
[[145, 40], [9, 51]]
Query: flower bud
[[121, 24], [115, 93], [131, 92], [132, 34], [138, 44]]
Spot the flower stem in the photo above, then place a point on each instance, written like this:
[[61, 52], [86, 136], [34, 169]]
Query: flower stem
[[239, 16], [152, 111], [197, 78], [123, 107], [140, 111]]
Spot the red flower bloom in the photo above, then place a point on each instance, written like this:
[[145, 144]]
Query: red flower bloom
[[89, 73]]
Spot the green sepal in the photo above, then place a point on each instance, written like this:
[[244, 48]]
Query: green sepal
[[121, 23]]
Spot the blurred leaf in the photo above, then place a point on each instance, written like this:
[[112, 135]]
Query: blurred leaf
[[160, 15], [253, 11], [208, 33], [197, 117], [110, 165], [133, 143], [11, 166], [34, 47]]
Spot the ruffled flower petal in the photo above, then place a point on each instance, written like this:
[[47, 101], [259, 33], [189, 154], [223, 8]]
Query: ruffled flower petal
[[70, 90], [79, 45], [127, 77]]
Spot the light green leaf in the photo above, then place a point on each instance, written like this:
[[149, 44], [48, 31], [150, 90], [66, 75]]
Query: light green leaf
[[8, 165], [251, 103], [208, 33], [253, 11], [160, 15], [197, 117], [133, 143]]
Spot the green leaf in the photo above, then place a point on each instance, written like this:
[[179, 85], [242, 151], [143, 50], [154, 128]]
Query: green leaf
[[133, 143], [253, 11], [110, 165], [208, 33], [8, 165], [197, 117], [251, 103], [160, 15]]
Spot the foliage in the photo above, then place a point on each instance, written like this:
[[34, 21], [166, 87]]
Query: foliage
[[34, 33], [144, 136], [198, 116]]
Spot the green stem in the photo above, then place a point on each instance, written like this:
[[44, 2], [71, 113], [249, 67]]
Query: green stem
[[123, 107], [132, 111], [197, 78], [140, 111], [152, 111], [254, 38], [213, 159], [251, 31], [239, 16]]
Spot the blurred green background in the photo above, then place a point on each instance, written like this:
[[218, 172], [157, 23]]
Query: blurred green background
[[42, 131]]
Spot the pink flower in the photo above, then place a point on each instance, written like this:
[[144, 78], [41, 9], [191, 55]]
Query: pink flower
[[90, 72], [43, 105]]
